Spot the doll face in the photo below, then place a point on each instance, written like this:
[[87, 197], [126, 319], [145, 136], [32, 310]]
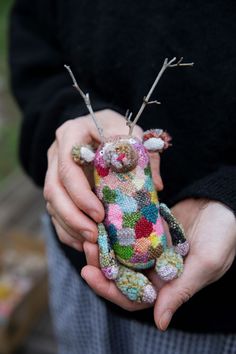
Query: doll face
[[120, 154]]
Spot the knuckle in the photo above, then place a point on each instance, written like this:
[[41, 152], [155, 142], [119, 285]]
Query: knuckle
[[49, 152], [58, 133], [48, 192], [184, 295], [64, 171], [69, 221], [60, 130], [72, 225], [64, 238], [48, 208]]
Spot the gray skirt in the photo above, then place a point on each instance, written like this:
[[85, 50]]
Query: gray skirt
[[84, 324]]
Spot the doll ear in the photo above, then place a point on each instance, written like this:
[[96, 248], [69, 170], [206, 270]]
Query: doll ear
[[83, 154], [156, 140]]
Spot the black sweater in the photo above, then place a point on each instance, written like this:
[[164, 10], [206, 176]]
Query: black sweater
[[115, 50]]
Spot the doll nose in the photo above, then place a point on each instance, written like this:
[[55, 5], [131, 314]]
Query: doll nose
[[120, 157]]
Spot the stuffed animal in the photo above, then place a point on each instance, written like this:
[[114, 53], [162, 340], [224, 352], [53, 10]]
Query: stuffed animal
[[132, 238]]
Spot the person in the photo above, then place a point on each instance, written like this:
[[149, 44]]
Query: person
[[115, 51]]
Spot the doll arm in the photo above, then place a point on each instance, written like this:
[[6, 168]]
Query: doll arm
[[176, 231], [156, 140], [108, 263], [83, 154]]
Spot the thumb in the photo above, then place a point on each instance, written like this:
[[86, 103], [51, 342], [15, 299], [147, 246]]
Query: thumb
[[177, 292], [155, 167]]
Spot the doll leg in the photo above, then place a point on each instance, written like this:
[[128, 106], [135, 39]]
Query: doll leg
[[176, 231], [170, 264], [108, 262], [135, 285]]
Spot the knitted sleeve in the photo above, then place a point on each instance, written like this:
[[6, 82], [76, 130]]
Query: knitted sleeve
[[219, 186], [40, 83]]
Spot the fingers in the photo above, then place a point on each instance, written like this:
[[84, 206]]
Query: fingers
[[107, 289], [138, 132], [71, 202], [66, 238], [61, 222], [155, 167], [72, 176], [91, 253], [62, 208], [174, 294], [101, 285]]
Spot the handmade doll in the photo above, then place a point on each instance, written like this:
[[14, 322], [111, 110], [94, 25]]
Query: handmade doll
[[131, 237]]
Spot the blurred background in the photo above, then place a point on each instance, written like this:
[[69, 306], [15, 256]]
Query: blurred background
[[25, 325]]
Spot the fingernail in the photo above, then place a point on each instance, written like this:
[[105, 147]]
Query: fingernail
[[165, 320], [95, 215], [88, 235]]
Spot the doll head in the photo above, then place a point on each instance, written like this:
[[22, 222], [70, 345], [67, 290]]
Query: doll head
[[118, 153], [122, 153]]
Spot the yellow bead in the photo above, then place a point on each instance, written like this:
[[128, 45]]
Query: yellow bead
[[154, 198], [96, 178], [155, 240]]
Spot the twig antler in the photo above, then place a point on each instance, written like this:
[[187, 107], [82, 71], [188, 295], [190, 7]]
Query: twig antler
[[87, 102], [166, 64]]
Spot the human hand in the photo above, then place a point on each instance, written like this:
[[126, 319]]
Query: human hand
[[212, 251], [211, 231], [73, 207]]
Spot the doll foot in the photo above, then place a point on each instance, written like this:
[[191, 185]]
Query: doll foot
[[111, 272], [182, 248], [169, 265], [149, 294], [168, 272], [135, 285]]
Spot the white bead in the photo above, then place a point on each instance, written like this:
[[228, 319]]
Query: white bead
[[154, 144], [86, 154]]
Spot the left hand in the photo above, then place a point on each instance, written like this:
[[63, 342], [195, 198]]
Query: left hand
[[211, 231]]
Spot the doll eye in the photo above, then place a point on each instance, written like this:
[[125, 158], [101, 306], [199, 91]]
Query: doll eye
[[101, 152], [132, 141]]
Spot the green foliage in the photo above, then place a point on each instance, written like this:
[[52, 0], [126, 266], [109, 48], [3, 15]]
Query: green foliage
[[9, 123], [8, 150], [5, 6]]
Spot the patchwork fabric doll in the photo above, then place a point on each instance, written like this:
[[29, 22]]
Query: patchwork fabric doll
[[131, 237]]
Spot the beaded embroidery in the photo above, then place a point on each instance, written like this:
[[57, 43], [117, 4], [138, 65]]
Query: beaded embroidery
[[131, 237]]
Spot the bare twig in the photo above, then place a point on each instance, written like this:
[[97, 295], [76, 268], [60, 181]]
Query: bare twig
[[128, 116], [87, 102], [166, 64], [153, 102]]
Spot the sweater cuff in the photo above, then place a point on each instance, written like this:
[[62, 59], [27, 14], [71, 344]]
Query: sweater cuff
[[219, 186]]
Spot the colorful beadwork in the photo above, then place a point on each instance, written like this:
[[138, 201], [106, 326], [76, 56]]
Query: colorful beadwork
[[133, 214], [131, 237]]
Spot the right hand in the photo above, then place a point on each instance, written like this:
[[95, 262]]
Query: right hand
[[73, 207]]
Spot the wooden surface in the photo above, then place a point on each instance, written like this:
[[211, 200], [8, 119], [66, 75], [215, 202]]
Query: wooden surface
[[21, 210]]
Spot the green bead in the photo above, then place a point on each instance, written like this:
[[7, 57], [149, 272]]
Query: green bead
[[130, 219], [109, 195], [147, 171], [124, 252]]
